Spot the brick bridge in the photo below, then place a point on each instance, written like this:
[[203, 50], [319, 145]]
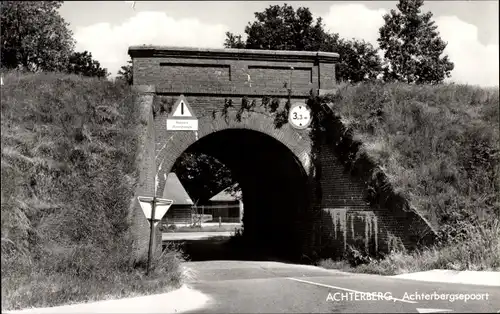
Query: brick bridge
[[295, 200]]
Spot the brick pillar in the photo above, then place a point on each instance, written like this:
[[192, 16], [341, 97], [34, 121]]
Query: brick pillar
[[146, 164]]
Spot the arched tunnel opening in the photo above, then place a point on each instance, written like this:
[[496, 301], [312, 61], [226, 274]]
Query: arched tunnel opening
[[275, 192]]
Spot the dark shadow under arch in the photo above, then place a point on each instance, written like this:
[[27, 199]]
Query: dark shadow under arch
[[274, 182]]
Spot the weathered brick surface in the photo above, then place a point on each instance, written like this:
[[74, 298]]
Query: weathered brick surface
[[145, 159], [337, 212], [342, 189]]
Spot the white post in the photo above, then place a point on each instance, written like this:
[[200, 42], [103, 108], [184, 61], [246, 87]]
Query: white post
[[202, 214], [241, 210]]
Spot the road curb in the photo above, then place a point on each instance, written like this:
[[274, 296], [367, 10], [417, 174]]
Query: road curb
[[177, 301]]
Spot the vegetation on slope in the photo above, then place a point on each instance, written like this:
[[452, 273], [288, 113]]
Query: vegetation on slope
[[68, 174], [438, 145]]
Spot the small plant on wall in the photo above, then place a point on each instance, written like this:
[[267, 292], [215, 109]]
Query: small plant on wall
[[162, 105], [272, 106]]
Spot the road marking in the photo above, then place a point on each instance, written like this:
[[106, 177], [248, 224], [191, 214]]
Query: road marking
[[346, 289], [432, 310]]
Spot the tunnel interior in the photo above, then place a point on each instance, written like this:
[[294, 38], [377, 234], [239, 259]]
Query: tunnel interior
[[274, 189]]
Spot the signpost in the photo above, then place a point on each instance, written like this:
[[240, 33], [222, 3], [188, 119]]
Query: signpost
[[154, 209], [300, 116], [182, 117]]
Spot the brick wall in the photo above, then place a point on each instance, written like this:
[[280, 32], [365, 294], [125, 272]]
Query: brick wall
[[338, 210], [225, 71], [345, 214]]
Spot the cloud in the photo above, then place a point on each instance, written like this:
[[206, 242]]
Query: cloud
[[109, 43], [354, 21], [475, 63]]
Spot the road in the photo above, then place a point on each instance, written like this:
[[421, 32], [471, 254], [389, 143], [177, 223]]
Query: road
[[275, 287], [234, 284], [265, 287], [223, 281]]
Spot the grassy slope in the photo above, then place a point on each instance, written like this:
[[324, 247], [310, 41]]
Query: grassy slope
[[68, 173], [439, 145]]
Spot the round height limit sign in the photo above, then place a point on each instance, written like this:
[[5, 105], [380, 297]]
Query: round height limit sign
[[299, 116]]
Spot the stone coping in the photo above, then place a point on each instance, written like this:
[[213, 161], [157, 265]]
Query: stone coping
[[189, 52]]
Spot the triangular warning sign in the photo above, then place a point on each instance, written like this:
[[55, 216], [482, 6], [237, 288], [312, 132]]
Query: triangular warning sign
[[182, 110], [146, 206], [161, 208]]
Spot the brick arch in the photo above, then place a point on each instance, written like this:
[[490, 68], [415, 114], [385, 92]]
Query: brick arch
[[176, 143]]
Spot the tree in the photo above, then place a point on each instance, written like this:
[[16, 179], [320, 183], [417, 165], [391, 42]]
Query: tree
[[359, 60], [233, 41], [34, 36], [126, 74], [203, 176], [283, 28], [81, 63], [412, 46]]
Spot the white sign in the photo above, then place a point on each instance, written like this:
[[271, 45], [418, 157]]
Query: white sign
[[299, 116], [182, 125], [182, 117], [161, 207]]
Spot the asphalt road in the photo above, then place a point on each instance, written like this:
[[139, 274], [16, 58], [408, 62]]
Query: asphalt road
[[221, 280], [265, 287]]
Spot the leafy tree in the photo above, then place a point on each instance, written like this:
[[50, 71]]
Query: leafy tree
[[126, 74], [412, 46], [234, 41], [283, 28], [203, 176], [359, 60], [34, 36], [81, 63]]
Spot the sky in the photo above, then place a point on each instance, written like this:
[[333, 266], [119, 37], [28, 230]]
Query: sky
[[108, 28]]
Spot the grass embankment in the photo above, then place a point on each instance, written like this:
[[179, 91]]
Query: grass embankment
[[439, 145], [68, 174]]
